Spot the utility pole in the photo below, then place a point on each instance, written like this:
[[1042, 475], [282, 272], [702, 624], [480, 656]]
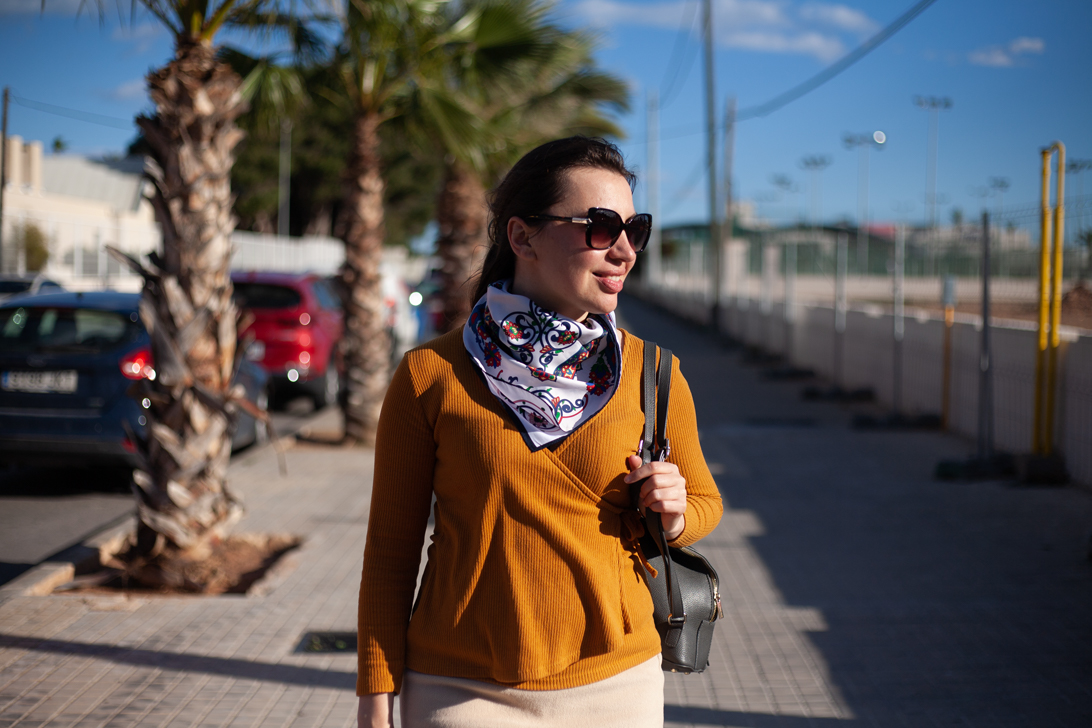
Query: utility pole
[[3, 171], [711, 155], [653, 272], [729, 152], [985, 369]]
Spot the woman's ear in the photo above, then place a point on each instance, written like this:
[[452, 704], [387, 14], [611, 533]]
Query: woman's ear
[[519, 237]]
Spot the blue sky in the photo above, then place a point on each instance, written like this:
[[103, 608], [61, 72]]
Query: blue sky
[[1017, 74]]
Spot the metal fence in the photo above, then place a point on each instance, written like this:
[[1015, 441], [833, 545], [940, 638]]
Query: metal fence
[[828, 299]]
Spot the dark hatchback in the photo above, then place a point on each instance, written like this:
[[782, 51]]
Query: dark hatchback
[[67, 361]]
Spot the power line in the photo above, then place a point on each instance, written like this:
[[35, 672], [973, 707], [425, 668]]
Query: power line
[[836, 68], [695, 176], [87, 116], [676, 63]]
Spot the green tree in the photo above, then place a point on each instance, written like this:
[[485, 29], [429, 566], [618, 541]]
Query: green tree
[[389, 51], [524, 83], [320, 146], [35, 245]]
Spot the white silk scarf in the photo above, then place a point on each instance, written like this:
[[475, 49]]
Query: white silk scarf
[[552, 372]]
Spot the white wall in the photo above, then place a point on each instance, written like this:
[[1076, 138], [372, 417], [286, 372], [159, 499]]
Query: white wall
[[869, 355]]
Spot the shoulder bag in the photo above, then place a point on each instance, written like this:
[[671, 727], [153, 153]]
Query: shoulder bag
[[685, 590]]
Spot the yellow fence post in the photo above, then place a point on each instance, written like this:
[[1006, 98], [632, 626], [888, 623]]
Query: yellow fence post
[[1055, 298], [1050, 302]]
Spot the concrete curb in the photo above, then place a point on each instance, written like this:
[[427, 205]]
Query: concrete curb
[[60, 568]]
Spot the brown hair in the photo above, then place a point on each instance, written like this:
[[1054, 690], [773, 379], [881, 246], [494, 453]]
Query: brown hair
[[534, 185]]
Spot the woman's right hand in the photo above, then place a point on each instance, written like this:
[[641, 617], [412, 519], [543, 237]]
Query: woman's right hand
[[375, 711]]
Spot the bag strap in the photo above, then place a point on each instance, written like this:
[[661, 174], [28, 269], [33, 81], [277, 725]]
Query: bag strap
[[648, 400], [657, 401]]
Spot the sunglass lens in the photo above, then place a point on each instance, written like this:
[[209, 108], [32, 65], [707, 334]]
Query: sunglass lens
[[638, 231], [605, 227]]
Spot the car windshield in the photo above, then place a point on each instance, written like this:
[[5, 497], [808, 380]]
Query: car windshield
[[31, 328], [14, 286], [265, 295]]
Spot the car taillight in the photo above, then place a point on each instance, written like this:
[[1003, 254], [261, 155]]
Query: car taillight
[[138, 364]]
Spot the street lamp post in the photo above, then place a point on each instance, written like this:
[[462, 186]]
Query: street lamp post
[[784, 183], [933, 105], [863, 142], [815, 164], [999, 185]]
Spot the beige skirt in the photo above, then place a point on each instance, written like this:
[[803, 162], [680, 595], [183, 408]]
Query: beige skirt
[[631, 699]]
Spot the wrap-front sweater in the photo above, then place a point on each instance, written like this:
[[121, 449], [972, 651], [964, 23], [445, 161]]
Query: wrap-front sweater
[[531, 580]]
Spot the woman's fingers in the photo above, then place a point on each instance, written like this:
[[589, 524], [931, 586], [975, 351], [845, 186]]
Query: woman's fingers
[[664, 487]]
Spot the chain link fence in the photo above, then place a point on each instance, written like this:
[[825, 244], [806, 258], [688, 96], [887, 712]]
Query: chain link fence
[[830, 299]]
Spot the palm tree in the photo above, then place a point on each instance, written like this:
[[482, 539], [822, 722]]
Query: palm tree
[[391, 52], [548, 88], [181, 489]]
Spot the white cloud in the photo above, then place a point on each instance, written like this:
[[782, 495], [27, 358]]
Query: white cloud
[[841, 17], [143, 36], [1027, 45], [34, 7], [994, 56], [997, 56], [128, 91], [825, 48], [769, 26]]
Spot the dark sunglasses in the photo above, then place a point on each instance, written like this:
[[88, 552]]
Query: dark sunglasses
[[604, 227]]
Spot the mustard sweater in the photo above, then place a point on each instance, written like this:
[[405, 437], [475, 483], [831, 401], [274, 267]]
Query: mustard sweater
[[528, 582]]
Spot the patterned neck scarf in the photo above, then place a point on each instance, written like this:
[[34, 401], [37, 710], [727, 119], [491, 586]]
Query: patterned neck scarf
[[552, 372]]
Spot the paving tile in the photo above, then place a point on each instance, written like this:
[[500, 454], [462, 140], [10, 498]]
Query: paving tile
[[857, 590]]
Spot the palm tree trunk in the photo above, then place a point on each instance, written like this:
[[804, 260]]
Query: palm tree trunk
[[181, 489], [366, 343], [462, 216]]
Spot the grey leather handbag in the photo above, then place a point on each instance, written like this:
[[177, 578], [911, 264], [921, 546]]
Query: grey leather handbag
[[685, 591]]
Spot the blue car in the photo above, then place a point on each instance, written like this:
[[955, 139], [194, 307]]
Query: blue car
[[67, 361]]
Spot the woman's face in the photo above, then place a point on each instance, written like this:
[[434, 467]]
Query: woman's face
[[555, 268]]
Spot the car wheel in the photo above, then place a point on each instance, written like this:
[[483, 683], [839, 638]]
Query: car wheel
[[328, 387]]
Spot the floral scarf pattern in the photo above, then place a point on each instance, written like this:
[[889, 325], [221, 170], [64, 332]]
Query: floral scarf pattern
[[552, 372]]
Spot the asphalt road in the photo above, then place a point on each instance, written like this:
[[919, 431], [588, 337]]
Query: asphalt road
[[44, 511]]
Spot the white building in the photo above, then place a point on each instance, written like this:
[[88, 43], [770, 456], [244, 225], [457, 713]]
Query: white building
[[81, 205]]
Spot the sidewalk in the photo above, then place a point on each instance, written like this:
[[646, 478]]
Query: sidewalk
[[860, 592]]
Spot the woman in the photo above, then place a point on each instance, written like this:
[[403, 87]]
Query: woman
[[525, 427]]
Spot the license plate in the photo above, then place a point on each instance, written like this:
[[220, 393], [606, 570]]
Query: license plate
[[40, 381]]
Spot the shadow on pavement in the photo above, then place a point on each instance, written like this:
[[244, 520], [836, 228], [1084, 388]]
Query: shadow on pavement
[[230, 667], [940, 603], [45, 482], [706, 716]]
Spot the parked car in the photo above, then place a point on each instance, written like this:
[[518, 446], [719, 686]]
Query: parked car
[[292, 330], [16, 285], [67, 361]]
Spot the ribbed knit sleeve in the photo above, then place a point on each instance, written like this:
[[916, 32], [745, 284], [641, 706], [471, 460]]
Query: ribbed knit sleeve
[[703, 504], [405, 452]]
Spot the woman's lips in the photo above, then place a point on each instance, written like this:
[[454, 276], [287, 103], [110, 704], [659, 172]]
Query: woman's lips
[[611, 283]]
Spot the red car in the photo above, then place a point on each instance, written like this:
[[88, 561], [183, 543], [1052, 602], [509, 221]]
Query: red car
[[295, 322]]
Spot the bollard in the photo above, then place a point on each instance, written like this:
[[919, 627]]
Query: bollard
[[899, 327]]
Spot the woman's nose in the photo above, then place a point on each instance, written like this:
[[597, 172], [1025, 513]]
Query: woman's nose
[[622, 249]]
